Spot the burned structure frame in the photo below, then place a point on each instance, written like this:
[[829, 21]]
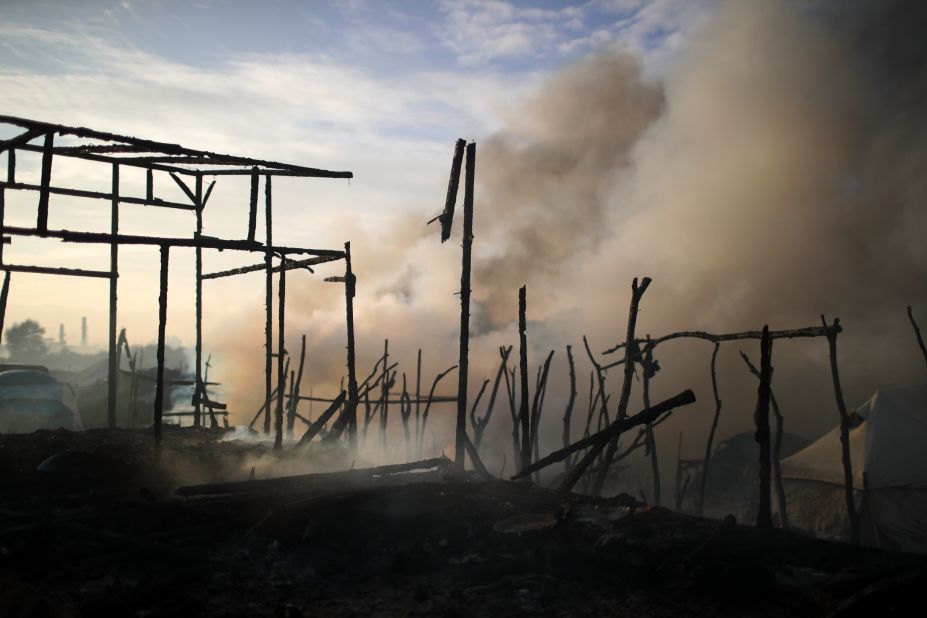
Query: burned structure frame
[[180, 164]]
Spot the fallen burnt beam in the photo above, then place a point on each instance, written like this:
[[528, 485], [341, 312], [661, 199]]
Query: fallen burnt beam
[[601, 438], [287, 483], [206, 242], [319, 423], [287, 265]]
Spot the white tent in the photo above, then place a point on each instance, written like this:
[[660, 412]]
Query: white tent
[[888, 450]]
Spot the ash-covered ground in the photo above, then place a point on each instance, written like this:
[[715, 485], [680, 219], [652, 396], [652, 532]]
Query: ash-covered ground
[[107, 529]]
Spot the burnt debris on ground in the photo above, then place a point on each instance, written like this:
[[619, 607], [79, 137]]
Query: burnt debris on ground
[[111, 532]]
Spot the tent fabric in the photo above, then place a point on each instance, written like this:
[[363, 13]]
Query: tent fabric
[[888, 446], [887, 449]]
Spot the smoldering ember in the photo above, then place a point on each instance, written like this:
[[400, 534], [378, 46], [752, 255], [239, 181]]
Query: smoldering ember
[[654, 350]]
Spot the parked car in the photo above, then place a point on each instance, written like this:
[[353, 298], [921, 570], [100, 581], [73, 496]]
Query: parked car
[[31, 399]]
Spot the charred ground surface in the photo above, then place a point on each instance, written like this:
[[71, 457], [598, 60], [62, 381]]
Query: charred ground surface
[[103, 530]]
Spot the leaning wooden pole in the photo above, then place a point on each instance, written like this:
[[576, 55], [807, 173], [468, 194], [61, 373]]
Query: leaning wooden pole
[[764, 514], [831, 333], [568, 413], [268, 304], [917, 333], [523, 417], [463, 361], [294, 390], [703, 486], [637, 292], [199, 299], [349, 288], [162, 326], [4, 295], [281, 372], [113, 377]]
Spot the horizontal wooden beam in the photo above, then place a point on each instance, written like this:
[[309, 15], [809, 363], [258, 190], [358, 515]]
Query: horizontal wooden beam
[[290, 265], [21, 186], [166, 148], [48, 270], [206, 242]]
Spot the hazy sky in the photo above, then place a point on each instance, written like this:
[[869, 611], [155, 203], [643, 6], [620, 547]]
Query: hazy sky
[[378, 88]]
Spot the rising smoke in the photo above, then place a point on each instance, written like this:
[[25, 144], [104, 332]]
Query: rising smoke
[[774, 172]]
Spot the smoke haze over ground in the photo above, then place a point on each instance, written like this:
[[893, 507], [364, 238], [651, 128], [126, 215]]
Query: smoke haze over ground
[[772, 173]]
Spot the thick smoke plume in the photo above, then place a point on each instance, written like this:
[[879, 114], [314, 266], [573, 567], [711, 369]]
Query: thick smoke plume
[[773, 173]]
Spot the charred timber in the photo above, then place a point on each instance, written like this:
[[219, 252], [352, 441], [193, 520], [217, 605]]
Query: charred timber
[[602, 437]]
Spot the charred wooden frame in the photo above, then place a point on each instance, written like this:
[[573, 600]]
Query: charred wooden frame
[[119, 151]]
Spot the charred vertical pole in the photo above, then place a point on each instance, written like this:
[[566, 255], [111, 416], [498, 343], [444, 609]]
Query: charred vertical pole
[[764, 516], [418, 388], [523, 368], [199, 301], [568, 414], [11, 165], [149, 185], [349, 290], [162, 325], [463, 362], [711, 433], [4, 295], [252, 210], [268, 304], [831, 334], [113, 376], [281, 372], [294, 390], [384, 394], [649, 371], [637, 292], [47, 150]]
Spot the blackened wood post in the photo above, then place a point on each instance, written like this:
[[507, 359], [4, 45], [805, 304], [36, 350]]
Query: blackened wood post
[[649, 371], [281, 372], [47, 149], [162, 326], [447, 217], [418, 389], [917, 333], [384, 395], [480, 426], [199, 298], [113, 376], [4, 295], [294, 390], [350, 283], [463, 372], [637, 292], [831, 334], [523, 368], [268, 304], [568, 413], [11, 165], [711, 433], [764, 515], [252, 210], [777, 449], [149, 184]]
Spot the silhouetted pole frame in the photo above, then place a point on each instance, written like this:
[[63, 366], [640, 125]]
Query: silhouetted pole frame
[[113, 375], [831, 333], [268, 306], [162, 326], [761, 417], [637, 292], [199, 301], [281, 352], [523, 416], [463, 362]]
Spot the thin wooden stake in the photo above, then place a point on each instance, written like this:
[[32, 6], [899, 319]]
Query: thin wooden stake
[[764, 514], [523, 368], [699, 508], [268, 304], [162, 326], [113, 376]]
